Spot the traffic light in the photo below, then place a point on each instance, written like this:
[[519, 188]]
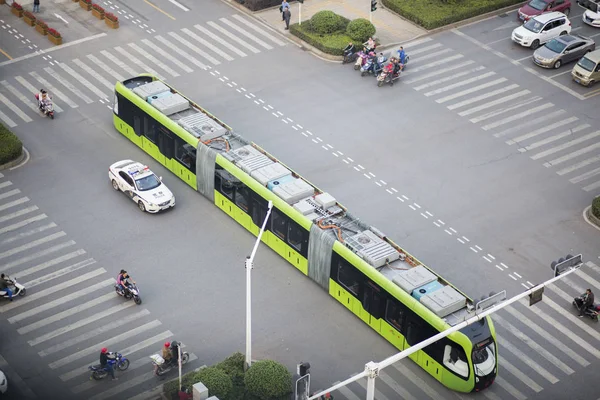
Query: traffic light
[[564, 264], [373, 5], [303, 368]]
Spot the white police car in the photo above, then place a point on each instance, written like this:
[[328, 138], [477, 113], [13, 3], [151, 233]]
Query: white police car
[[141, 185]]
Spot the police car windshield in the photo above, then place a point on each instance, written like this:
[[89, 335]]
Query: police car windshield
[[148, 182]]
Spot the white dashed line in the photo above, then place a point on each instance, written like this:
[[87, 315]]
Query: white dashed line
[[475, 250]]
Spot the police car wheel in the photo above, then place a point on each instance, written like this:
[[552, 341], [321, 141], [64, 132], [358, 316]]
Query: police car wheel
[[115, 185], [141, 206]]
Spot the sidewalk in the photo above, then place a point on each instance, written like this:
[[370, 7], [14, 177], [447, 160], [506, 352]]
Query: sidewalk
[[391, 29]]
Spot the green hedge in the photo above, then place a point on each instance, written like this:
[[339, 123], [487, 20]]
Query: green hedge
[[432, 14], [360, 30], [596, 207], [326, 22], [332, 43], [11, 147], [268, 379], [257, 5]]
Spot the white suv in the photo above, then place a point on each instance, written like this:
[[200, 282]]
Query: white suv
[[541, 29]]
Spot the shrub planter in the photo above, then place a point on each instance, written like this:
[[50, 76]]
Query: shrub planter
[[97, 11], [2, 2], [29, 18], [54, 36], [111, 20], [85, 4], [17, 9], [41, 27]]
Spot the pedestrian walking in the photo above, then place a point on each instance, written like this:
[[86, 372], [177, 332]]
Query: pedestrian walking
[[282, 8], [36, 6], [286, 17]]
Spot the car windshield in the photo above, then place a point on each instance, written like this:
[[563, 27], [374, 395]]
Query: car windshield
[[537, 5], [533, 25], [587, 64], [147, 182], [556, 46]]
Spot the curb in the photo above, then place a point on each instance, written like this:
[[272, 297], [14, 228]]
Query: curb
[[17, 161], [331, 58], [591, 218]]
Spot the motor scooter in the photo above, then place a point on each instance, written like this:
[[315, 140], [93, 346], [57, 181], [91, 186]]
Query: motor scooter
[[361, 59], [590, 312], [130, 291], [387, 75], [161, 367], [46, 106], [15, 287]]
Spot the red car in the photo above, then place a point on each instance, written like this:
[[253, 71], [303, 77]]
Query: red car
[[537, 7]]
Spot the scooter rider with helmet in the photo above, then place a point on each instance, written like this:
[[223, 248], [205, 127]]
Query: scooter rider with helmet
[[43, 99], [124, 280], [105, 357], [588, 301]]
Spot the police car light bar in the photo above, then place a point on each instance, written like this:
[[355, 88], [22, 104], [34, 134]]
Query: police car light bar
[[139, 171]]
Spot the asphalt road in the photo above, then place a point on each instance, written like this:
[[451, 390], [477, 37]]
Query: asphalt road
[[479, 211]]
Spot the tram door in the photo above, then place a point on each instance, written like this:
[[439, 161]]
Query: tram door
[[371, 305]]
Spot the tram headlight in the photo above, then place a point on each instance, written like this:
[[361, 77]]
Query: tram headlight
[[476, 380]]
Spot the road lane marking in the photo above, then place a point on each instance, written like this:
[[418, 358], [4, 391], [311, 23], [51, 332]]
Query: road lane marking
[[541, 130], [201, 52], [93, 73], [443, 72], [153, 59], [460, 83], [29, 232], [515, 117], [574, 154], [167, 56], [506, 345], [68, 85], [56, 274], [514, 106], [232, 37], [159, 9], [106, 68], [520, 375], [64, 314], [113, 325], [581, 164], [207, 44], [493, 103], [219, 40], [246, 33], [566, 145], [470, 90], [30, 245], [482, 96], [53, 89], [523, 124], [182, 53], [555, 137], [448, 78], [82, 80], [14, 108], [143, 67], [257, 29], [29, 102]]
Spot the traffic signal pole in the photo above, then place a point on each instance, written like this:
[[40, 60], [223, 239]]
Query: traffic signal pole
[[372, 368]]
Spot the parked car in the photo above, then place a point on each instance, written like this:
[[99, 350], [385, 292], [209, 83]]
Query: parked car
[[562, 50], [587, 71], [541, 29], [591, 16], [538, 7]]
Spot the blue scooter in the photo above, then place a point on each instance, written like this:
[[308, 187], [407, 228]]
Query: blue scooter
[[117, 361]]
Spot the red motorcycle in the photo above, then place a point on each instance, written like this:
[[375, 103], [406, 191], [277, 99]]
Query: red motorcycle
[[387, 75]]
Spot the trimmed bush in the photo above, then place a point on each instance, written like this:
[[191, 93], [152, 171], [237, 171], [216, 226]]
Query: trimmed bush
[[330, 44], [216, 380], [596, 207], [257, 5], [171, 388], [360, 30], [11, 147], [432, 14], [268, 379], [326, 22]]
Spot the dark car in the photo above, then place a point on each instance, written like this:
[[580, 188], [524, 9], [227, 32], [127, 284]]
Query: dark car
[[562, 50], [537, 7]]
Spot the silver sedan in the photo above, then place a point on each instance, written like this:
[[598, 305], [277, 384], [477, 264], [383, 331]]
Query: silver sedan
[[562, 50]]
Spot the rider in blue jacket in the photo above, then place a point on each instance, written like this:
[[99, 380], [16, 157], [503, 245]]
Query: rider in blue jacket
[[401, 55]]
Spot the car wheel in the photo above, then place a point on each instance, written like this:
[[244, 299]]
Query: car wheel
[[141, 206], [557, 64], [115, 185], [567, 12], [535, 44], [563, 33]]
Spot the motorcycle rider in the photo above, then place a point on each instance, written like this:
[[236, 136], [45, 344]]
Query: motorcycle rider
[[587, 301], [348, 50], [124, 281], [401, 55], [370, 45], [105, 357], [397, 67], [5, 282], [167, 355], [43, 99]]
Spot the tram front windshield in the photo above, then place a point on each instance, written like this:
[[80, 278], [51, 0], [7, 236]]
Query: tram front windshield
[[484, 357]]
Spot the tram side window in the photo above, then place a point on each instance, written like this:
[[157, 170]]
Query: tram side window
[[455, 358], [166, 142], [394, 314], [150, 129], [279, 224], [348, 276], [225, 182], [298, 237], [259, 210], [125, 110], [185, 154], [242, 197]]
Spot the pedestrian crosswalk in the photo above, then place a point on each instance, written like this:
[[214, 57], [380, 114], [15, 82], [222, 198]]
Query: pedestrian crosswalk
[[523, 120], [70, 309], [537, 345], [90, 78]]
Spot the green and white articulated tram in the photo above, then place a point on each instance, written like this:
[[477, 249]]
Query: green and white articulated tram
[[389, 289]]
